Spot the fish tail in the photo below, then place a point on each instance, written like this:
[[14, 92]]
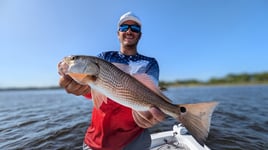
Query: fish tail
[[196, 118]]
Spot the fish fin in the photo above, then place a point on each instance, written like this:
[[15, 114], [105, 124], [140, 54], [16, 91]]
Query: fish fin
[[98, 98], [196, 118], [149, 82], [123, 67]]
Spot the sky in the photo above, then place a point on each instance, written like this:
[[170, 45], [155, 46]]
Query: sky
[[191, 39]]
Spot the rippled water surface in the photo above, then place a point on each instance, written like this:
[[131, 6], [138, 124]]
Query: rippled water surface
[[52, 119]]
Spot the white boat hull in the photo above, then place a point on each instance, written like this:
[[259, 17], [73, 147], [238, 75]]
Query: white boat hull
[[177, 139]]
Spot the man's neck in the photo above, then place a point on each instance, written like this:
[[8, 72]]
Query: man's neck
[[128, 50]]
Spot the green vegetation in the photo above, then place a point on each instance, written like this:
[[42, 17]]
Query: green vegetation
[[244, 78]]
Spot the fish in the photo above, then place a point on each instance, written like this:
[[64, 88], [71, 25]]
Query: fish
[[136, 91]]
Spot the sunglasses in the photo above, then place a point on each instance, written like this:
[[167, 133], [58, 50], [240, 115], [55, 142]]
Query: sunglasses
[[133, 28]]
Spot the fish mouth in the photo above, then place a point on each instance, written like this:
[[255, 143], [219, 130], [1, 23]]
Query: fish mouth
[[63, 68], [65, 64]]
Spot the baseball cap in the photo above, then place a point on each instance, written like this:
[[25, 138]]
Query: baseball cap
[[129, 16]]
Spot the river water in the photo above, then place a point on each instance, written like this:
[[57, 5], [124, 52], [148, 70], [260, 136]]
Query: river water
[[52, 119]]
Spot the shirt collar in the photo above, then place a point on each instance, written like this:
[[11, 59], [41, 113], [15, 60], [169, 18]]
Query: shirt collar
[[128, 56]]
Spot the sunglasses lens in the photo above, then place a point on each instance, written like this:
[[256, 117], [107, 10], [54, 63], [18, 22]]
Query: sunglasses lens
[[135, 28], [123, 28]]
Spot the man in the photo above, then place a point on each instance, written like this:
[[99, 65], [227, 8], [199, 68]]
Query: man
[[113, 126]]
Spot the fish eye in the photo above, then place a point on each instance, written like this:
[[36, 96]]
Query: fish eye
[[183, 109], [73, 57]]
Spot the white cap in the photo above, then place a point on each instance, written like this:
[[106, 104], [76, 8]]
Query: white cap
[[129, 16]]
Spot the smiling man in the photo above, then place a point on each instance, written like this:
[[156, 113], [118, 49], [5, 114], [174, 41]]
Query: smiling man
[[114, 126]]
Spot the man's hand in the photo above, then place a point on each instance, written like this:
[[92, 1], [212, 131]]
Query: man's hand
[[147, 119], [72, 86]]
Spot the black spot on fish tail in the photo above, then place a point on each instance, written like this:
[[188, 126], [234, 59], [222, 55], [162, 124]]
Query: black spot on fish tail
[[183, 109]]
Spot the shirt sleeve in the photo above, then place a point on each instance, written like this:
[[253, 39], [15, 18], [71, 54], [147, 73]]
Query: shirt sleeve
[[88, 95], [153, 70]]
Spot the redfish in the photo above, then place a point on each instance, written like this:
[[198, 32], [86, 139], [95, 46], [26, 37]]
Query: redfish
[[137, 91]]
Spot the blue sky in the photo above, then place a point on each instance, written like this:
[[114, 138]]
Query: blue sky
[[190, 39]]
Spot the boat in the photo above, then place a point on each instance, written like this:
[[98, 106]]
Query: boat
[[176, 139]]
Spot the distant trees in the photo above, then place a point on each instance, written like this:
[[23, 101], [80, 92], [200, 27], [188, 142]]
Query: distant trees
[[243, 78], [261, 77]]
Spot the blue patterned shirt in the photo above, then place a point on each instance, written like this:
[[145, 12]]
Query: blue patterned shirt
[[138, 63]]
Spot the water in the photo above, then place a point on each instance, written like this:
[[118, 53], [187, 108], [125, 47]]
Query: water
[[52, 119]]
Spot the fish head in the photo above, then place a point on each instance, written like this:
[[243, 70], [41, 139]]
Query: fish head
[[82, 69]]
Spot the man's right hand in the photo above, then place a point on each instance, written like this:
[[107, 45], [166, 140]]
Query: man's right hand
[[72, 87]]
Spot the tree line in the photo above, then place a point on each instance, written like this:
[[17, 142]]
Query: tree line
[[243, 78]]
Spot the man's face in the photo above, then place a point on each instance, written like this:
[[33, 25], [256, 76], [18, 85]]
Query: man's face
[[129, 38]]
